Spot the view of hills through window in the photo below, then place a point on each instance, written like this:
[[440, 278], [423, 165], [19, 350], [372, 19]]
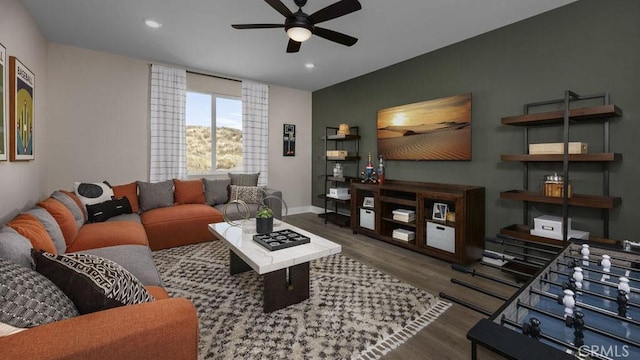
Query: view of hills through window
[[227, 136]]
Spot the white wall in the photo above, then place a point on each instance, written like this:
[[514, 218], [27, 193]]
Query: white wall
[[99, 103], [23, 183], [291, 174]]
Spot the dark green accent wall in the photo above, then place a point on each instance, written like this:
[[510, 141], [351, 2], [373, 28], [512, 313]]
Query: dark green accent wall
[[590, 46]]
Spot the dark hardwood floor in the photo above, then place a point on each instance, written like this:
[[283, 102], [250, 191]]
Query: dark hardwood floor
[[445, 338]]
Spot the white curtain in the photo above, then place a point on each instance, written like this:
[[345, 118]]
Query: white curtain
[[255, 130], [167, 108]]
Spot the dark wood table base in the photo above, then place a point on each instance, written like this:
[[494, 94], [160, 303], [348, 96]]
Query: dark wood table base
[[282, 287]]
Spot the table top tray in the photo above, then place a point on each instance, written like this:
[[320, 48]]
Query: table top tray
[[281, 239]]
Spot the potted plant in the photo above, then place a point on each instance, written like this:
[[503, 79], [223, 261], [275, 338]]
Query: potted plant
[[264, 220]]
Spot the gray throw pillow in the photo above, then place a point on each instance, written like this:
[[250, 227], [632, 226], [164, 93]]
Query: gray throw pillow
[[216, 191], [244, 179], [29, 299], [155, 195], [52, 227], [15, 247]]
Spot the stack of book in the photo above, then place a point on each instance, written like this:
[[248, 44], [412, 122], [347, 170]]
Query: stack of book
[[403, 235], [404, 215]]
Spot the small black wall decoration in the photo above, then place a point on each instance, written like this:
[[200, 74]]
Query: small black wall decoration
[[289, 143]]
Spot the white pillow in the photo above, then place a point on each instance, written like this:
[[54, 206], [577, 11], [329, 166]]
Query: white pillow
[[6, 329], [93, 193]]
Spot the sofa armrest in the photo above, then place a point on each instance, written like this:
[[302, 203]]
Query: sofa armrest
[[275, 205], [162, 329]]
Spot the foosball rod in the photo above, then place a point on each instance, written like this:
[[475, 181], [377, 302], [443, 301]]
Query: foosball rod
[[502, 236], [555, 340], [502, 242], [591, 293], [473, 272], [515, 260], [510, 271], [580, 304], [466, 304], [479, 289], [587, 327], [598, 271], [598, 262], [524, 255], [613, 257], [603, 283]]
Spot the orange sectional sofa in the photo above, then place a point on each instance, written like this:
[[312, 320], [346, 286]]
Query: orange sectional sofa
[[165, 328]]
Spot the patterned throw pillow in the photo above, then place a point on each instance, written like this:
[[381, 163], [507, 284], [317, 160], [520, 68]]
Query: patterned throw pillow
[[91, 282], [93, 193], [29, 299], [248, 194], [155, 195]]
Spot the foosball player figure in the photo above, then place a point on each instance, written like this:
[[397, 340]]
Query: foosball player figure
[[569, 285], [532, 328], [569, 302], [622, 303], [578, 327]]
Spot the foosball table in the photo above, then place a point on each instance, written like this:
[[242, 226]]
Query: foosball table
[[585, 303]]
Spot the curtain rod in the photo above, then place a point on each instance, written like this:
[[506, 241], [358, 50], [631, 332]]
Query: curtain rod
[[215, 76]]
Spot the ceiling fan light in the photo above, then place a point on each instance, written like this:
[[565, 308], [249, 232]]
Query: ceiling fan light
[[299, 34]]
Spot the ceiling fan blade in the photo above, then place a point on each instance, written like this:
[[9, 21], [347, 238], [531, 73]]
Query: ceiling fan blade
[[293, 46], [257, 26], [335, 36], [280, 7], [335, 10]]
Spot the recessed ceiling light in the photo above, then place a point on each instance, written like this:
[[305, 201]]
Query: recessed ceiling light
[[152, 23], [309, 65]]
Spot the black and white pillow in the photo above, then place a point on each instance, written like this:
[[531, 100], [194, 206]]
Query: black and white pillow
[[93, 193], [91, 282], [29, 299], [108, 209]]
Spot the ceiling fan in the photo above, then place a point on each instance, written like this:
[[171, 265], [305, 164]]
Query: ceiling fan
[[300, 26]]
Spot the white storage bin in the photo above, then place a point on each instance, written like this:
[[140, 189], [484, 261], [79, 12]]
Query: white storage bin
[[441, 237], [550, 223], [368, 219]]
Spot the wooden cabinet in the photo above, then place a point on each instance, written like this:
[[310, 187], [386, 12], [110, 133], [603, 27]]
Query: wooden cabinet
[[571, 115], [459, 240], [343, 149]]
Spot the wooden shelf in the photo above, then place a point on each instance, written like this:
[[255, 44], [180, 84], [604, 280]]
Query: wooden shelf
[[596, 157], [520, 231], [589, 201], [343, 137], [344, 179], [399, 201], [554, 117], [343, 158], [409, 224], [329, 198]]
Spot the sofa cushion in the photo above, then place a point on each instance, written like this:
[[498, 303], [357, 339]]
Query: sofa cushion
[[64, 218], [92, 236], [158, 292], [28, 226], [216, 191], [71, 201], [127, 217], [15, 247], [103, 211], [248, 194], [51, 225], [29, 299], [188, 191], [130, 191], [179, 225], [93, 193], [235, 211], [137, 259], [155, 195], [244, 179], [91, 282]]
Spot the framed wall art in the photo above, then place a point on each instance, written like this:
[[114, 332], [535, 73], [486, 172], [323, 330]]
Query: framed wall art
[[289, 144], [437, 129], [21, 111], [440, 211], [3, 103]]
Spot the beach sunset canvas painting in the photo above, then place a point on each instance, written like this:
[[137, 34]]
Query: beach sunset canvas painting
[[437, 129]]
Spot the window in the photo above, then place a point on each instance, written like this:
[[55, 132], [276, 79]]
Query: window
[[214, 133]]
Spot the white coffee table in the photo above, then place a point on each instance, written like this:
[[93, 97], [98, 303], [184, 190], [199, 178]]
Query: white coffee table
[[285, 272]]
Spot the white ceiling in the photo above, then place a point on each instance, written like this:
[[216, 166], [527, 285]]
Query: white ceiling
[[196, 34]]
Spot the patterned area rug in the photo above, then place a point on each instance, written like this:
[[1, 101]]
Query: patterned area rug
[[353, 312]]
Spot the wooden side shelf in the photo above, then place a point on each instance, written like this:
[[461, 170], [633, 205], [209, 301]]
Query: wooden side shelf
[[520, 231], [556, 117], [595, 157], [460, 241], [589, 201]]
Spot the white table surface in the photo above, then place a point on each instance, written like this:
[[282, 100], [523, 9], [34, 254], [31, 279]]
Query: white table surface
[[240, 240]]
